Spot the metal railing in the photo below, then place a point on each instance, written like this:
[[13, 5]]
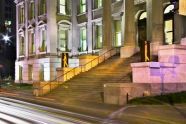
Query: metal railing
[[42, 89]]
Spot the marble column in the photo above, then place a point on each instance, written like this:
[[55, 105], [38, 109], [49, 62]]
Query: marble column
[[75, 30], [51, 27], [154, 25], [129, 30], [89, 26], [107, 25]]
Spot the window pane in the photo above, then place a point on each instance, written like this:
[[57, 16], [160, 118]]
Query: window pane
[[83, 1], [62, 9], [83, 6], [62, 2], [117, 33], [83, 41], [63, 34]]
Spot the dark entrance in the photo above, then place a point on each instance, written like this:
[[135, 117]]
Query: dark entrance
[[142, 34]]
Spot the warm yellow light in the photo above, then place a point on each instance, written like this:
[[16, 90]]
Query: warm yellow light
[[182, 7]]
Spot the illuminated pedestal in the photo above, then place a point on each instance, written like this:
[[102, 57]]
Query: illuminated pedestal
[[170, 68]]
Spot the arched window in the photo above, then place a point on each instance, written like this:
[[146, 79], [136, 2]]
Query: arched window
[[63, 35], [143, 15], [168, 24]]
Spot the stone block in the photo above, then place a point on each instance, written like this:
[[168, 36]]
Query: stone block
[[172, 54], [183, 41], [128, 51]]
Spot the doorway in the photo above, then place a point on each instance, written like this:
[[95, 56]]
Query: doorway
[[169, 24], [142, 33]]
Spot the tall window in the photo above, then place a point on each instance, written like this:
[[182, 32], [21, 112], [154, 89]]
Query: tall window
[[63, 40], [99, 38], [98, 3], [117, 26], [30, 72], [43, 41], [62, 7], [83, 40], [82, 6], [32, 10], [42, 7], [21, 45], [22, 15], [41, 73], [20, 73], [31, 43]]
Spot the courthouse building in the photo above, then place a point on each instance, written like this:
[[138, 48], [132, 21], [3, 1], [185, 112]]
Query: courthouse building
[[46, 28]]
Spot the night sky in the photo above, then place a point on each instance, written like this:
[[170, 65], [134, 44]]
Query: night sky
[[7, 48]]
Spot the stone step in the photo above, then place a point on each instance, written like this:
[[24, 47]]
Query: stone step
[[88, 86]]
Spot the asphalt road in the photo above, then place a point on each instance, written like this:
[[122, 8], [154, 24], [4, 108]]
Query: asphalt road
[[18, 112]]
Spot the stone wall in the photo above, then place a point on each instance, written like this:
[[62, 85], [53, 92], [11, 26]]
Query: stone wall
[[120, 93]]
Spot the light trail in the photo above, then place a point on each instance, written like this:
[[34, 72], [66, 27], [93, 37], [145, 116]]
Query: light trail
[[20, 113]]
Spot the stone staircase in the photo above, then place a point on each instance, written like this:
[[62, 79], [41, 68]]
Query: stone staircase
[[65, 74], [88, 86]]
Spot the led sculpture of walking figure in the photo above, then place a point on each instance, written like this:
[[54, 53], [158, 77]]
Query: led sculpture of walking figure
[[65, 64], [146, 52]]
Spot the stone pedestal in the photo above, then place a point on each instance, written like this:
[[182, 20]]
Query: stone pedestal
[[170, 68], [119, 94], [172, 54], [155, 72], [183, 41]]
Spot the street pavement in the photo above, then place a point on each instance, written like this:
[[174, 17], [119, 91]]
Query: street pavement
[[19, 112]]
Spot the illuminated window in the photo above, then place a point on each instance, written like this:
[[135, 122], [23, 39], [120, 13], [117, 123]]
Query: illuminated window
[[99, 38], [82, 6], [168, 31], [31, 43], [42, 7], [22, 15], [63, 40], [62, 7], [117, 26], [32, 10], [21, 45], [168, 24], [98, 3], [169, 9], [83, 40], [143, 16], [43, 41]]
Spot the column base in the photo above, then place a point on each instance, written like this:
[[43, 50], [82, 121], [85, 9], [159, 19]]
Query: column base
[[128, 51], [104, 50]]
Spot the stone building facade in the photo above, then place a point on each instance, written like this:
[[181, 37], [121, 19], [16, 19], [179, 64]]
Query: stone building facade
[[46, 28]]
